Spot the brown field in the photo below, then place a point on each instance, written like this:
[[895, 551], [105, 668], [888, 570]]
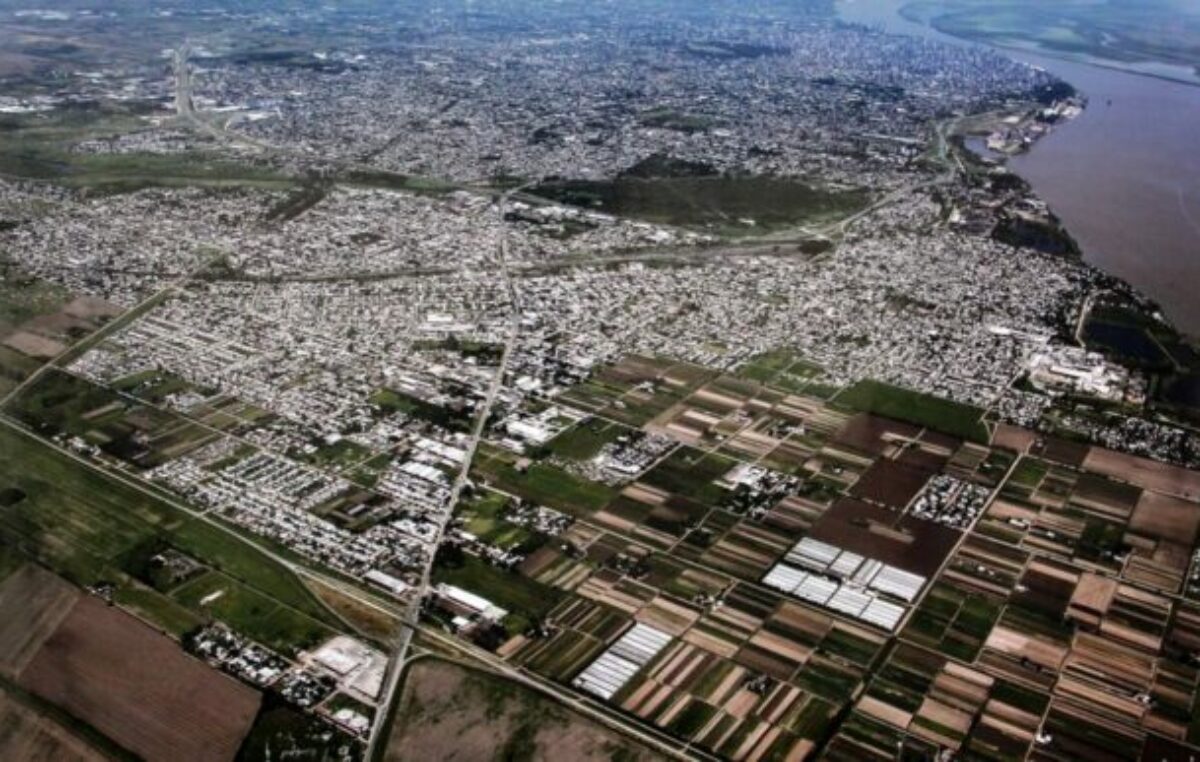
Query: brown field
[[448, 712], [908, 543], [88, 307], [1148, 474], [27, 736], [1014, 438], [33, 602], [34, 345], [1067, 453], [139, 689], [873, 435], [1166, 518], [890, 483]]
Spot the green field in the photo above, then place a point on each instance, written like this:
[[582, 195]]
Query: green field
[[87, 526], [59, 403], [541, 483], [484, 516], [731, 205], [691, 473], [525, 599], [935, 413], [21, 299], [38, 146], [584, 440], [392, 401]]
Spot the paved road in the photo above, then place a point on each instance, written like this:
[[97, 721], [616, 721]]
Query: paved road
[[482, 414], [185, 107], [583, 704]]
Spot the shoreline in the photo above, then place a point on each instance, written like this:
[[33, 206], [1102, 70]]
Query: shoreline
[[1085, 59], [1124, 227]]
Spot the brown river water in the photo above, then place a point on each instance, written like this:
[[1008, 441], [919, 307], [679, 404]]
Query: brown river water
[[1124, 177]]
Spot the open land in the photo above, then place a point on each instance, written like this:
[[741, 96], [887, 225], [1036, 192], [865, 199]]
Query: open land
[[138, 688], [449, 712], [27, 735]]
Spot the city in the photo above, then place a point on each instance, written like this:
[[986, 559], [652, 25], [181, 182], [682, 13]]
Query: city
[[702, 378]]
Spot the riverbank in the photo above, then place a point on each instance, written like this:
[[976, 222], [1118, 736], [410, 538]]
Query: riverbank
[[1124, 176]]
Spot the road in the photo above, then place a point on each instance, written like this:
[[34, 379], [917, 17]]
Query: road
[[580, 703], [942, 131], [185, 108], [400, 654]]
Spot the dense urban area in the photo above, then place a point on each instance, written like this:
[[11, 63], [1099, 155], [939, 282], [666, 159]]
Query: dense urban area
[[625, 380]]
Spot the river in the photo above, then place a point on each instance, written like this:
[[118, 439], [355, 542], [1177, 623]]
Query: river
[[1124, 177]]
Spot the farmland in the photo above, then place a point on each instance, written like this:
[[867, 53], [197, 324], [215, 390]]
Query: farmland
[[87, 526], [28, 734], [920, 409], [450, 712], [1005, 563], [38, 321], [138, 688]]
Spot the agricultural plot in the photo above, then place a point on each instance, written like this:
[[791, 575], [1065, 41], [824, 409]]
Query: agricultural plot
[[447, 713], [60, 404], [793, 579], [637, 389], [1142, 535], [39, 321], [760, 674], [922, 410], [784, 370], [941, 703], [29, 734], [91, 528], [138, 688], [33, 603], [954, 621]]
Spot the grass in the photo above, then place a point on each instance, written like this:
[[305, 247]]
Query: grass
[[781, 369], [148, 604], [84, 525], [520, 596], [484, 515], [397, 402], [252, 613], [728, 205], [369, 621], [340, 454], [584, 440], [23, 298], [541, 483], [945, 416], [39, 147], [691, 473]]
